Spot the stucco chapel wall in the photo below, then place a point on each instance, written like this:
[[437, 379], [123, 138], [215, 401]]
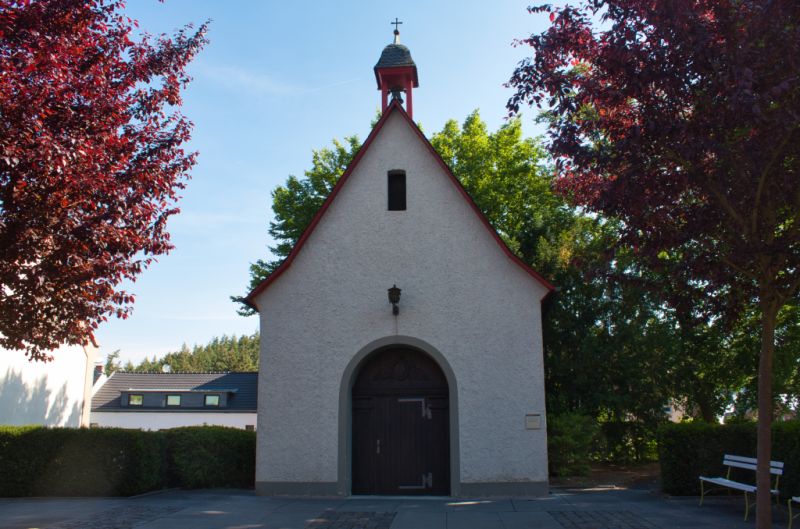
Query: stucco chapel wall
[[460, 293]]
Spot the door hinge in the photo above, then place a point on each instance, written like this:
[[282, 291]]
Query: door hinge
[[427, 483], [425, 407]]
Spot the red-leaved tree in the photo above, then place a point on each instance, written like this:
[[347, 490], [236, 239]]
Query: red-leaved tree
[[682, 119], [91, 160]]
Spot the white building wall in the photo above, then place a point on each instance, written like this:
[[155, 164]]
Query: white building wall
[[162, 420], [460, 293], [49, 393]]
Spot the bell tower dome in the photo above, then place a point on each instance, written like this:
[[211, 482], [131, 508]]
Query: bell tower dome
[[396, 73]]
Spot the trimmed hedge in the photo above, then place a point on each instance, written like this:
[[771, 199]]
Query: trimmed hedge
[[689, 450], [211, 456], [38, 461], [79, 462]]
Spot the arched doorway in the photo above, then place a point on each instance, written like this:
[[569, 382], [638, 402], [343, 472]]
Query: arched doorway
[[401, 437]]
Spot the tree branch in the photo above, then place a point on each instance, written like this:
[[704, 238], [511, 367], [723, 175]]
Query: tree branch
[[747, 273], [726, 205], [791, 290], [763, 178]]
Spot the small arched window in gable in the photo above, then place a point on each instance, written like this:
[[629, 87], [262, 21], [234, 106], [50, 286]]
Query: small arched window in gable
[[397, 190]]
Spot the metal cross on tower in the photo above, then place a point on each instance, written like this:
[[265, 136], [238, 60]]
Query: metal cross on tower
[[396, 23]]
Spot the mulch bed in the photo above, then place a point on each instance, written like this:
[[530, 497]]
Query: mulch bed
[[611, 476]]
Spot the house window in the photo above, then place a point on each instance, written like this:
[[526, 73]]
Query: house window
[[250, 427], [397, 190], [135, 400], [173, 400], [212, 400]]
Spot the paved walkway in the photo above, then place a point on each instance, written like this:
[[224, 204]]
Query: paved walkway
[[233, 509]]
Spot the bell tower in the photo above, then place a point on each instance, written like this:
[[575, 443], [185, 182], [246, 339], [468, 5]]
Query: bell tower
[[396, 73]]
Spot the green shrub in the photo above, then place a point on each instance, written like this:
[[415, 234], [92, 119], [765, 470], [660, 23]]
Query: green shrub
[[19, 460], [37, 461], [689, 450], [626, 442], [211, 456], [569, 443], [786, 448]]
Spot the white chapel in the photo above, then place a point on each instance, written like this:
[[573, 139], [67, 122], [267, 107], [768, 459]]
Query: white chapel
[[401, 340]]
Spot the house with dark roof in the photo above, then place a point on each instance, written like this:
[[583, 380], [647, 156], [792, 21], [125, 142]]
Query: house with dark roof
[[54, 393], [155, 401]]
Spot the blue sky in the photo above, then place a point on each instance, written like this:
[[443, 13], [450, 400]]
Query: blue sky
[[277, 80]]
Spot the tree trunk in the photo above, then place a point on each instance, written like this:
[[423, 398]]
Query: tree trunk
[[706, 410], [769, 313]]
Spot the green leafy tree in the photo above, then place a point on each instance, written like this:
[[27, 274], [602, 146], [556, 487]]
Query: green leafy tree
[[225, 353], [507, 176], [684, 124], [744, 343], [112, 363]]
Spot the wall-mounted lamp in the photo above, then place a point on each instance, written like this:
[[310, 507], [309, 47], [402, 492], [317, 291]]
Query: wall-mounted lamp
[[394, 299]]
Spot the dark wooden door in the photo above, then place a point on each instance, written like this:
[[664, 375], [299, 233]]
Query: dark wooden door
[[401, 442]]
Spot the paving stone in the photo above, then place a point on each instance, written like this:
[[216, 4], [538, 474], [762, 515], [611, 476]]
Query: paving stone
[[480, 505], [313, 506], [474, 520], [541, 504], [604, 519], [370, 505], [119, 518], [436, 506], [333, 519], [529, 520], [420, 520], [218, 509]]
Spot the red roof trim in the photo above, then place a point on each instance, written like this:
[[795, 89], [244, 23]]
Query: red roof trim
[[325, 205], [335, 191]]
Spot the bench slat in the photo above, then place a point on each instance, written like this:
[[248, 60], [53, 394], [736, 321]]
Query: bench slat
[[741, 459], [751, 460], [734, 484], [737, 464], [730, 484], [776, 467]]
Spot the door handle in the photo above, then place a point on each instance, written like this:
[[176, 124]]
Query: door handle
[[378, 447]]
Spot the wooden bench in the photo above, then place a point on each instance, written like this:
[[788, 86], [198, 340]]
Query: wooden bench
[[747, 463], [795, 499]]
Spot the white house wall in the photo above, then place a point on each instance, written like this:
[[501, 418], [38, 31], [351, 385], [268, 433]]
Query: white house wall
[[163, 420], [460, 293], [48, 393]]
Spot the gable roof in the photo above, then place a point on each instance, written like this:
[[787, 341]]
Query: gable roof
[[242, 388], [395, 106]]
